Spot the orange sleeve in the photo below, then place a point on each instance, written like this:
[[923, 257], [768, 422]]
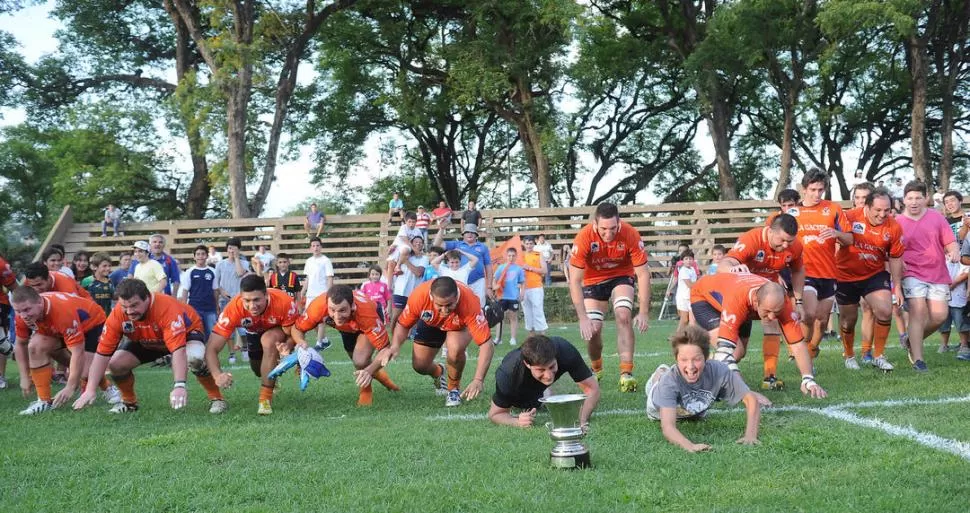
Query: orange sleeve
[[228, 319], [288, 311], [21, 329], [638, 256], [472, 316], [790, 327], [733, 315], [111, 335], [409, 317], [315, 313], [173, 329], [372, 326], [67, 324], [745, 248], [7, 277]]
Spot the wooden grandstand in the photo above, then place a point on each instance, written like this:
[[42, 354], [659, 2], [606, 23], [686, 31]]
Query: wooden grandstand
[[354, 242]]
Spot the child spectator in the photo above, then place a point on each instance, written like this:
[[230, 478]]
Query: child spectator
[[717, 253], [545, 249], [690, 387], [214, 257], [378, 291], [199, 289], [452, 264], [685, 280], [401, 247], [98, 284], [509, 287], [958, 300], [80, 266], [423, 221], [286, 280], [395, 208], [124, 264], [431, 270]]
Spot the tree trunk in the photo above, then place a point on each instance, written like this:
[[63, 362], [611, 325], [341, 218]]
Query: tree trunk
[[784, 174], [916, 49], [236, 134], [532, 144], [946, 136], [717, 125]]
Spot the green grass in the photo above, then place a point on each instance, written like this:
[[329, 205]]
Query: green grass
[[319, 452]]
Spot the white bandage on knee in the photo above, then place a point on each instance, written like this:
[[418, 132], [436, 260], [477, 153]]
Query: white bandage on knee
[[623, 302], [725, 353], [595, 315], [195, 353]]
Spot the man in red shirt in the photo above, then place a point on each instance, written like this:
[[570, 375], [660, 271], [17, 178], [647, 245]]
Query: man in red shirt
[[361, 326], [445, 313], [607, 260], [267, 316], [142, 328], [57, 326], [767, 252], [725, 303], [878, 239]]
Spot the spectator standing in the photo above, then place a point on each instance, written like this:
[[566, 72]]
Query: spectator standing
[[533, 302], [958, 219], [122, 272], [199, 289], [265, 257], [378, 291], [545, 250], [958, 300], [315, 219], [98, 284], [395, 208], [286, 280], [509, 288], [148, 270], [229, 273], [112, 217], [717, 253], [319, 278], [480, 279], [172, 272], [471, 215], [214, 257], [686, 276]]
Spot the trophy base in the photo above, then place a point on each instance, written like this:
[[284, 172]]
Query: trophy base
[[571, 462]]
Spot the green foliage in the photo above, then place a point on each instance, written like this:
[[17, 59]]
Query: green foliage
[[329, 204], [414, 189]]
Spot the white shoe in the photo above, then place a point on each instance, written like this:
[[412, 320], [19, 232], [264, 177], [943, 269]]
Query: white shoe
[[3, 382], [441, 383], [512, 342], [111, 395], [851, 363], [36, 407], [454, 398], [232, 359], [245, 356], [218, 406], [124, 408], [882, 364]]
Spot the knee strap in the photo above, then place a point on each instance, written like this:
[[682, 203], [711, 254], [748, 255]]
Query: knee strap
[[623, 302], [595, 315]]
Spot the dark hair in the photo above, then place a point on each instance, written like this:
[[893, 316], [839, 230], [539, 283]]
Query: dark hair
[[36, 270], [879, 192], [436, 249], [443, 287], [49, 252], [201, 247], [80, 254], [340, 293], [687, 253], [955, 194], [317, 240], [126, 252], [786, 223], [512, 249], [719, 247], [815, 175], [59, 248], [915, 186], [866, 186], [99, 257], [607, 210], [233, 241], [282, 255], [692, 335], [789, 196], [252, 283], [375, 268], [25, 294], [410, 215], [452, 255], [538, 350], [132, 287]]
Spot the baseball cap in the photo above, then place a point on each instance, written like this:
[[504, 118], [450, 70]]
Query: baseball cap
[[142, 245], [469, 227]]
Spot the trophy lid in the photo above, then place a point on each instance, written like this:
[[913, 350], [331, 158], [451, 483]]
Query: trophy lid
[[562, 398]]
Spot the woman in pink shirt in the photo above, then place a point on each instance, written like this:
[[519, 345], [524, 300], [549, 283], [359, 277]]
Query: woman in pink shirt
[[377, 290], [929, 244]]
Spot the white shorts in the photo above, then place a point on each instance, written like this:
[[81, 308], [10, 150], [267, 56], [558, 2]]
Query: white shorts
[[683, 304], [478, 287], [394, 253], [532, 309], [915, 288]]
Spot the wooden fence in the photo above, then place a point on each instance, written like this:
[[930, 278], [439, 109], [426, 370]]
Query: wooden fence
[[355, 242]]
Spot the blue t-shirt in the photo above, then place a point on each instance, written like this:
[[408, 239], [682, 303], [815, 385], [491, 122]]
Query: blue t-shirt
[[513, 277], [202, 297], [169, 265], [117, 275], [314, 217], [430, 273], [396, 203], [480, 250]]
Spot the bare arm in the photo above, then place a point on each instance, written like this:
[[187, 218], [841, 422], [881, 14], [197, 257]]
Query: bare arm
[[753, 409], [472, 257], [591, 388], [502, 416], [668, 426]]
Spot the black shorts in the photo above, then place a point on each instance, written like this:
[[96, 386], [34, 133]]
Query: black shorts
[[785, 275], [399, 302], [350, 339], [509, 305], [709, 318], [824, 287], [850, 292], [150, 354], [604, 289], [428, 336], [91, 338], [5, 317]]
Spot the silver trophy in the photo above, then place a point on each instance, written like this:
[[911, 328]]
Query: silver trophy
[[570, 450]]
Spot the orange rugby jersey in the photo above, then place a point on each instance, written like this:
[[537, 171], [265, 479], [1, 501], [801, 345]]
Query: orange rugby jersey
[[280, 312], [603, 261], [65, 316], [66, 284], [819, 256], [730, 294], [871, 248], [364, 319], [468, 313], [163, 327], [8, 280], [753, 250]]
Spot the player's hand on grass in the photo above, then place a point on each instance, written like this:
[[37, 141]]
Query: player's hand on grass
[[362, 378], [813, 389], [586, 329], [748, 441], [526, 418], [178, 398], [473, 389], [86, 399], [223, 380], [26, 386], [64, 395], [641, 322], [762, 400], [698, 448]]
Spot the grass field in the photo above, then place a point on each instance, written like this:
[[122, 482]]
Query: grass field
[[897, 442]]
